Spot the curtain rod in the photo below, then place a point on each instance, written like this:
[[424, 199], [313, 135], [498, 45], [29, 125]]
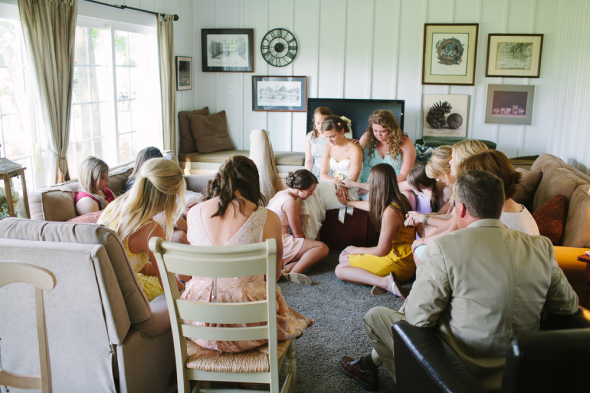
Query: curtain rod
[[122, 7]]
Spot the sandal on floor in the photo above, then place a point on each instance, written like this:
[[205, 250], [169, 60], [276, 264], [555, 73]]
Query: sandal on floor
[[401, 292], [378, 291], [297, 278]]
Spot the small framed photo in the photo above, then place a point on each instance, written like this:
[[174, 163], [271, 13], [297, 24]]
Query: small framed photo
[[446, 115], [279, 93], [514, 55], [227, 50], [510, 104], [449, 54], [184, 70]]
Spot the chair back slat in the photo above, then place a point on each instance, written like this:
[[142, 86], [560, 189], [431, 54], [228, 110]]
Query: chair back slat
[[25, 273], [225, 333], [248, 312], [213, 266]]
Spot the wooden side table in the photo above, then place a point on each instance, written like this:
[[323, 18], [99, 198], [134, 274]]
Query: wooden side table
[[585, 258]]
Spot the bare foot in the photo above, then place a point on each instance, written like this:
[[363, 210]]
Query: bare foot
[[287, 268]]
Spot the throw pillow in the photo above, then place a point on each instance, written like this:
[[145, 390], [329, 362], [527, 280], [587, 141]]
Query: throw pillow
[[550, 218], [527, 186], [210, 132], [187, 141], [577, 224], [90, 218]]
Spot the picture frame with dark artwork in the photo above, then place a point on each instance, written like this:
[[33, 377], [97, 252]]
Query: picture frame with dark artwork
[[514, 55], [279, 93], [227, 50], [184, 70], [446, 115], [449, 54], [510, 104]]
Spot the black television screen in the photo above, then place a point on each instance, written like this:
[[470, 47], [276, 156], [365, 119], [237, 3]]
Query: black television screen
[[357, 110]]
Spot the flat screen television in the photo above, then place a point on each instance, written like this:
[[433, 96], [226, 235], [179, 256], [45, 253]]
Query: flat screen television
[[357, 110]]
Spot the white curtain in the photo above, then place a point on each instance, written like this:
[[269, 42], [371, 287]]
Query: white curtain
[[167, 80], [49, 27]]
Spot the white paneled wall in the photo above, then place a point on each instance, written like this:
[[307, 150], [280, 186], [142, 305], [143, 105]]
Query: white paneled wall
[[372, 49]]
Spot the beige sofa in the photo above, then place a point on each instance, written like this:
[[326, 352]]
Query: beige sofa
[[561, 178]]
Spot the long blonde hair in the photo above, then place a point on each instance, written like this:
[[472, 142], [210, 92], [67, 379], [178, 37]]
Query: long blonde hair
[[467, 148], [159, 188], [89, 173], [438, 163]]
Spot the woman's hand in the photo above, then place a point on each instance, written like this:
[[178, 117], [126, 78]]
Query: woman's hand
[[418, 242], [350, 250], [342, 198], [349, 183], [355, 141], [342, 191], [362, 191], [416, 217]]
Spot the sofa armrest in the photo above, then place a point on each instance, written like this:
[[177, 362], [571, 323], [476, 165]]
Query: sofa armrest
[[197, 183], [551, 321], [425, 363]]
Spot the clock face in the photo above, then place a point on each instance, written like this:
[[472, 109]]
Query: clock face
[[279, 47]]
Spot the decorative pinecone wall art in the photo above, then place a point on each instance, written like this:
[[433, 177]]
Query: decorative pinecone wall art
[[436, 114], [454, 120]]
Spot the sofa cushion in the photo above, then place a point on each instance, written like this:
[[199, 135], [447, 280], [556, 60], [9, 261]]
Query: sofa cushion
[[216, 157], [187, 141], [577, 224], [525, 190], [562, 181], [293, 158], [135, 300], [118, 178], [58, 204], [210, 132], [159, 322], [550, 218], [90, 218]]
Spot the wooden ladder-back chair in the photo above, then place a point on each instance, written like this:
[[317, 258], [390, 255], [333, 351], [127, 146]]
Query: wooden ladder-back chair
[[259, 365], [43, 280]]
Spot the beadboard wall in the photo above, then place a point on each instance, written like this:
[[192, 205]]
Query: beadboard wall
[[372, 49]]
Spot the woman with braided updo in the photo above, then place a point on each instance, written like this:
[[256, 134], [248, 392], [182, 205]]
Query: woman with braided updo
[[299, 253]]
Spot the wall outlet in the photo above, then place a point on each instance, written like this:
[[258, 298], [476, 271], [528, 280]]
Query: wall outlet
[[230, 88]]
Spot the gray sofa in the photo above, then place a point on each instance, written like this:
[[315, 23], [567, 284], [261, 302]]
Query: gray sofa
[[103, 335]]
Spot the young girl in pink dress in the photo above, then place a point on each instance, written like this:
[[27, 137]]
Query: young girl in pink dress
[[233, 214], [299, 253]]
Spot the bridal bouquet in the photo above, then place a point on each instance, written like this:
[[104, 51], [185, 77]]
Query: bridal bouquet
[[4, 203], [339, 176]]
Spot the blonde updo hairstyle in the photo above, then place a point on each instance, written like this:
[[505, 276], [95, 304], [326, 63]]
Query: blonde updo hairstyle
[[395, 135], [438, 166], [301, 179], [467, 148], [159, 188], [89, 173], [323, 111]]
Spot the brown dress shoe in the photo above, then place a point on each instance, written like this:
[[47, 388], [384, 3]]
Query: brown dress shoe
[[368, 379]]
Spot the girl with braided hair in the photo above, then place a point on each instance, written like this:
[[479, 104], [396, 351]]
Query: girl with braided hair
[[299, 253]]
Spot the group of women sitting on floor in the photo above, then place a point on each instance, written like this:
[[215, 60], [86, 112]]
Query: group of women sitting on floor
[[408, 204]]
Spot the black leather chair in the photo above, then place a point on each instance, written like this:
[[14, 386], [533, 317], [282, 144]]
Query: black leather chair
[[556, 359]]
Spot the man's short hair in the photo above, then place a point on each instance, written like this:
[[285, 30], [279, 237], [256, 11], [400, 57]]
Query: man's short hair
[[481, 192]]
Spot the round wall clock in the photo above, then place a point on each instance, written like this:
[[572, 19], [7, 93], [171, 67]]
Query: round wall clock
[[279, 47]]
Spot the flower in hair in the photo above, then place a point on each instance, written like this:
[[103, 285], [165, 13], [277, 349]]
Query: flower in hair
[[346, 119]]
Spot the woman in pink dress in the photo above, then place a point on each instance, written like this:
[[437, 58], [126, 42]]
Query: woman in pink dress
[[299, 253], [233, 214], [94, 195]]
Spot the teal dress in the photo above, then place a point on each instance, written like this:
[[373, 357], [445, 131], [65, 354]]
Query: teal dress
[[370, 162]]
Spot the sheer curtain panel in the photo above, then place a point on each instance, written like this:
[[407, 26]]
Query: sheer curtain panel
[[167, 80], [49, 27]]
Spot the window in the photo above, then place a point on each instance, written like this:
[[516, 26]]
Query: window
[[116, 94]]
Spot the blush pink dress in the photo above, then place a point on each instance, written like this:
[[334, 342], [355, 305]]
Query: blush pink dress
[[291, 244], [290, 323]]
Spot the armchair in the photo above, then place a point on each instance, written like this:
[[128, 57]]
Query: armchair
[[546, 361]]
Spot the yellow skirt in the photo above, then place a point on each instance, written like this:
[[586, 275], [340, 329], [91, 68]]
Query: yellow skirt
[[151, 286]]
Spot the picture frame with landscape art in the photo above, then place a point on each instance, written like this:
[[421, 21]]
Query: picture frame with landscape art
[[514, 55], [279, 93], [227, 50], [184, 69], [510, 104], [449, 54], [445, 115]]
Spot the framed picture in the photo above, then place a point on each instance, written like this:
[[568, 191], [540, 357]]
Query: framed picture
[[510, 104], [446, 115], [449, 54], [227, 50], [184, 69], [514, 55], [279, 93]]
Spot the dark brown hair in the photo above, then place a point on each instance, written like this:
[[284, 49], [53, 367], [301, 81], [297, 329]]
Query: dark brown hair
[[497, 163], [387, 120], [384, 192], [418, 179], [301, 179], [334, 122], [481, 192], [237, 173], [322, 110]]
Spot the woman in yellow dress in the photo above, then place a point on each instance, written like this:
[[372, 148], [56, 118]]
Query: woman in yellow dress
[[158, 189], [391, 260]]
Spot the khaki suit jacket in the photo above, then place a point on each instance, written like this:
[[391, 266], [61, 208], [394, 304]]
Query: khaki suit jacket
[[484, 284]]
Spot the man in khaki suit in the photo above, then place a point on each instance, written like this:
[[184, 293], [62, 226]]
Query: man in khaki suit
[[478, 286]]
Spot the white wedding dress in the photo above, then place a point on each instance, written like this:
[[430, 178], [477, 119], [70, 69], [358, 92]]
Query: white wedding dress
[[313, 209]]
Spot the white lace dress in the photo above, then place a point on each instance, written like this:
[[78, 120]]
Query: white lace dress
[[290, 323], [522, 221]]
